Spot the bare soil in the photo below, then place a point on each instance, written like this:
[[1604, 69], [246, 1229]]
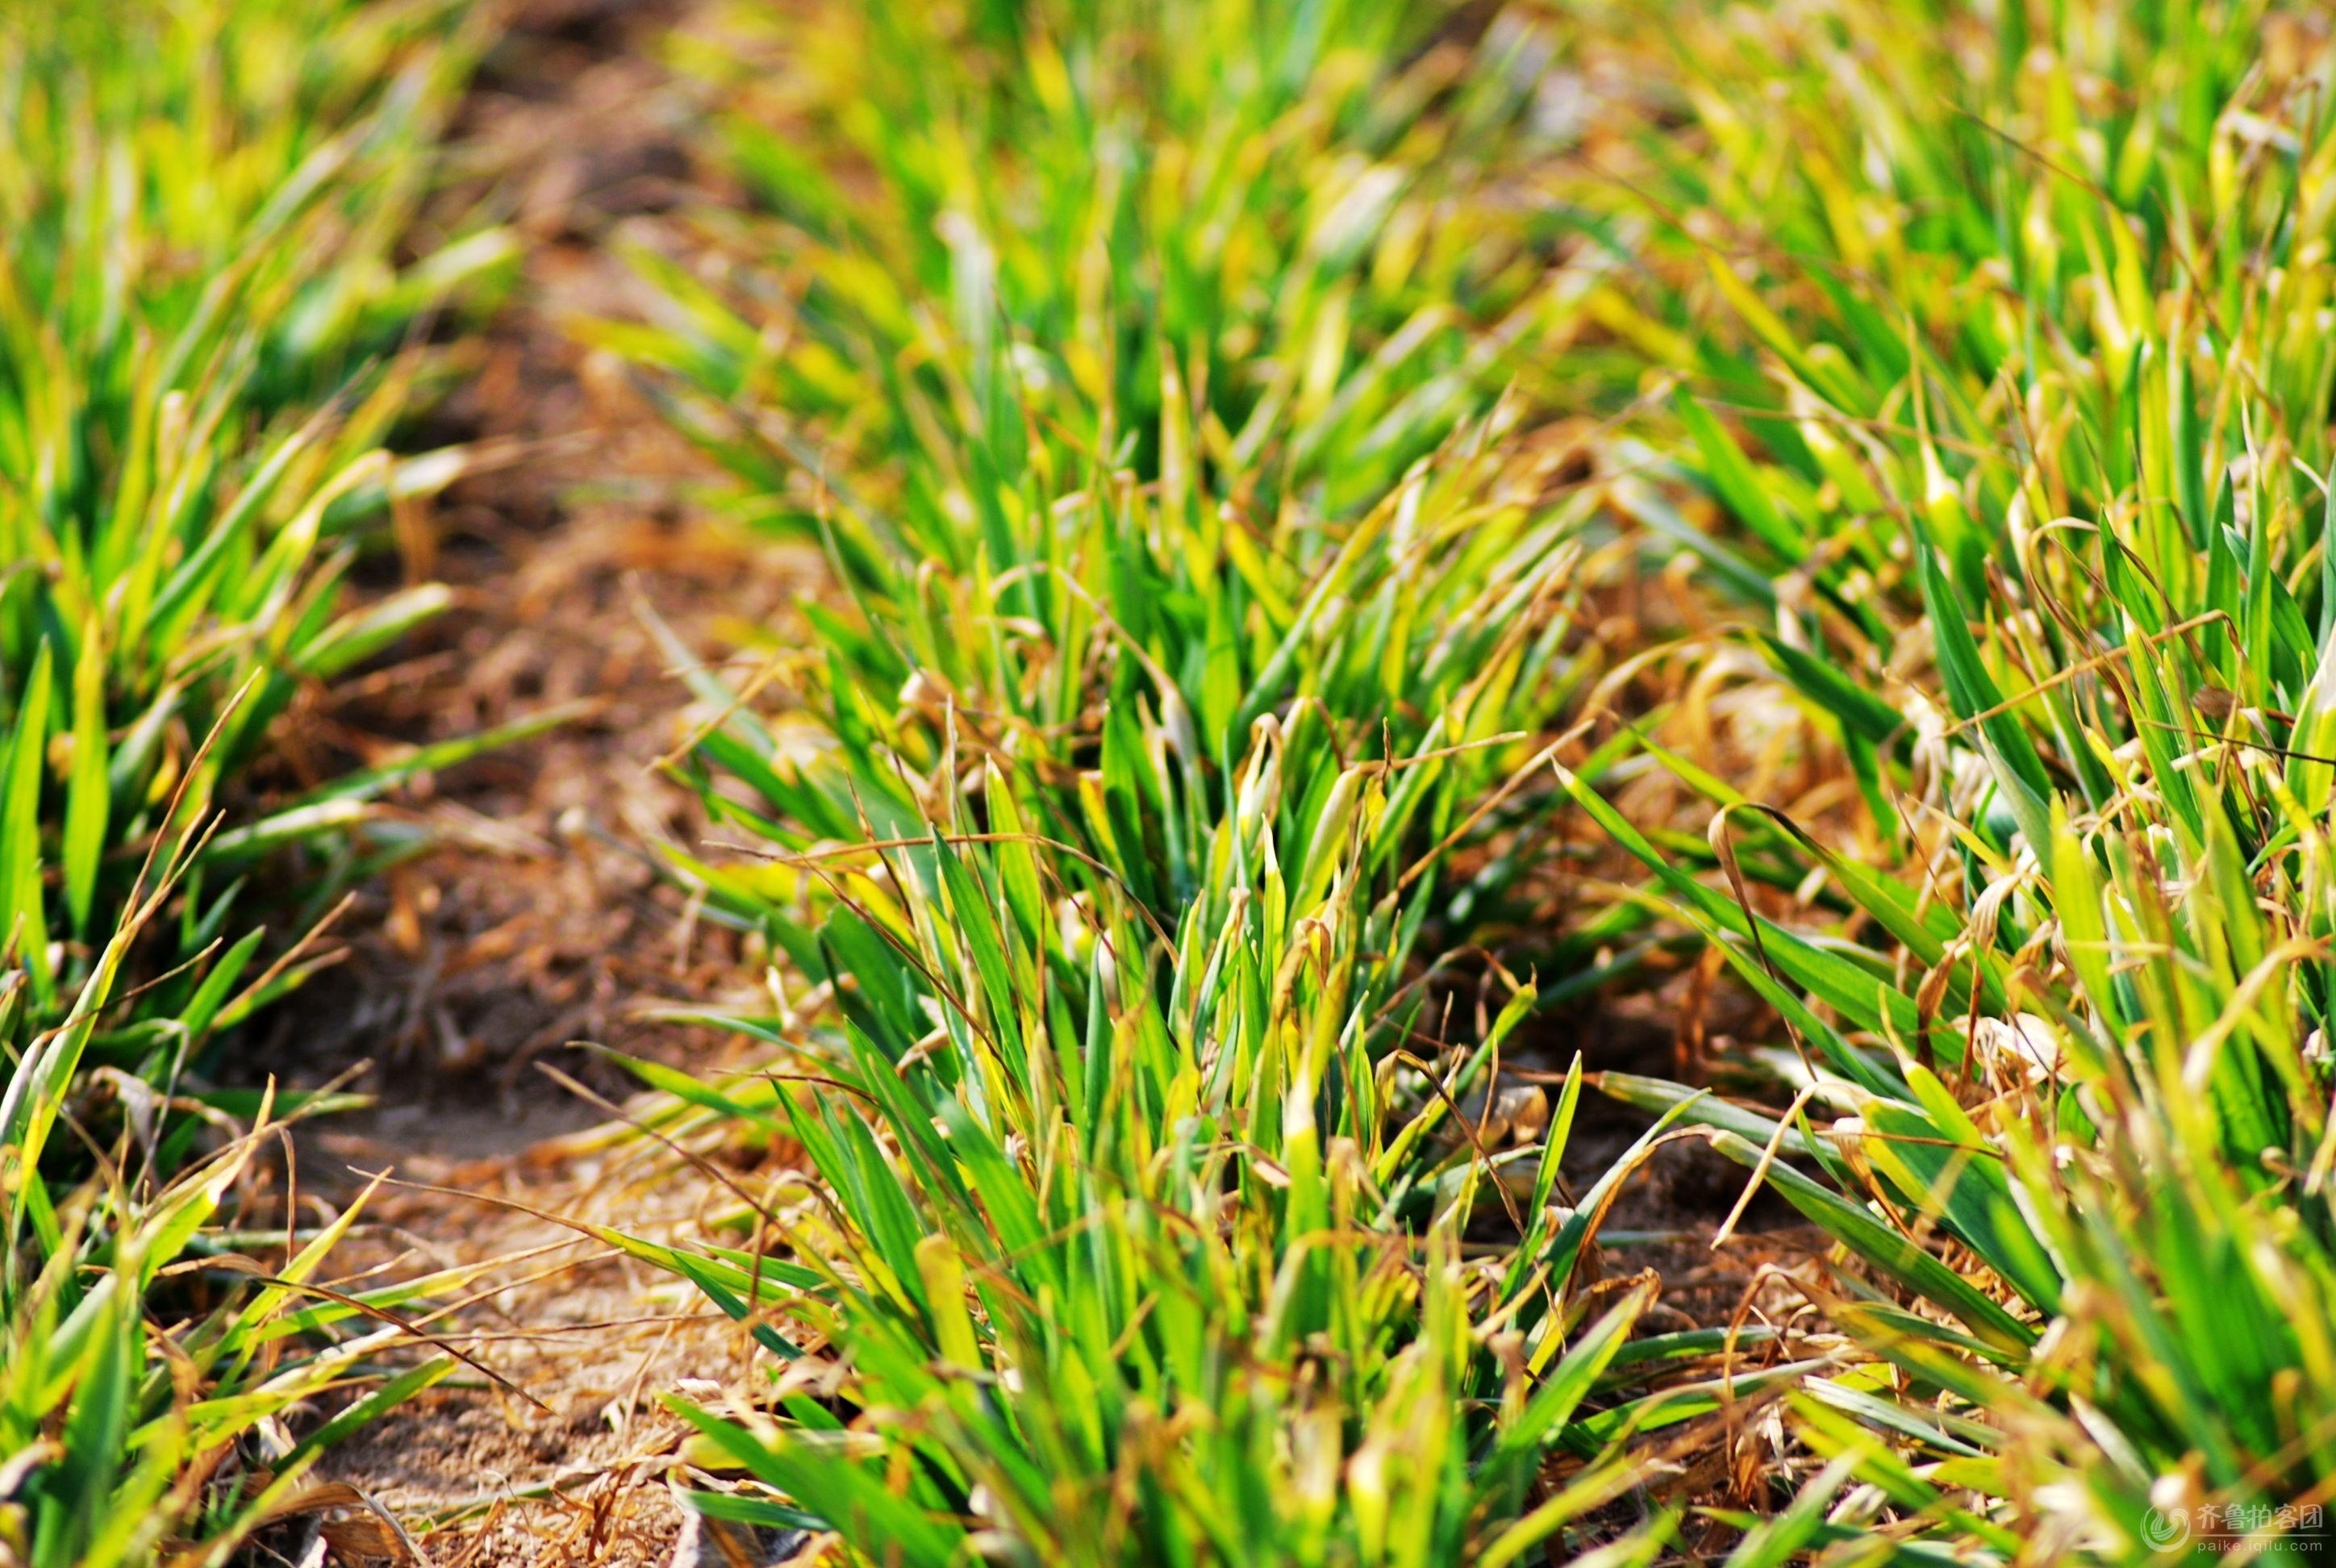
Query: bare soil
[[541, 922]]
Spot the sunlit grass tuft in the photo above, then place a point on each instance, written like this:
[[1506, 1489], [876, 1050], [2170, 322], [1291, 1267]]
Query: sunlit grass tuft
[[208, 330], [1197, 593], [2009, 381]]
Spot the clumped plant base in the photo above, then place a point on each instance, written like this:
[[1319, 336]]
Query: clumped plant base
[[1351, 533]]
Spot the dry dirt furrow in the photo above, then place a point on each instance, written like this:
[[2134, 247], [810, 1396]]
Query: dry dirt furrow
[[539, 923]]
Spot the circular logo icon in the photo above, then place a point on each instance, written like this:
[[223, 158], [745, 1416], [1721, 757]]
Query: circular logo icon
[[2166, 1528]]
